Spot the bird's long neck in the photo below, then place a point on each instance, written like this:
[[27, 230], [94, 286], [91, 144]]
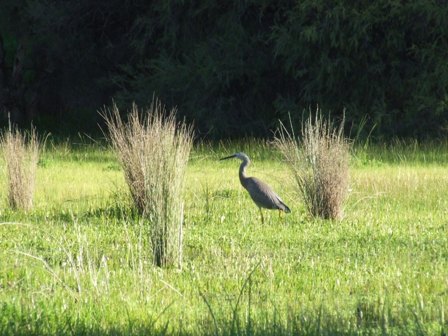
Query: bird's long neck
[[243, 176]]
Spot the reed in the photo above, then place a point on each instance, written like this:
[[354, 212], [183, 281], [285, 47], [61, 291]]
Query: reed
[[21, 154], [319, 163], [153, 149]]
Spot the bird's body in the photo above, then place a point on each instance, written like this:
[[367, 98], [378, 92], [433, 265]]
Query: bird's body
[[261, 193], [264, 196]]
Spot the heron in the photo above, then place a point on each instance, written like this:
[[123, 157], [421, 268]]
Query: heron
[[261, 193]]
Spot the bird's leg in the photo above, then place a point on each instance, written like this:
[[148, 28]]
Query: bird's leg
[[261, 214], [280, 215]]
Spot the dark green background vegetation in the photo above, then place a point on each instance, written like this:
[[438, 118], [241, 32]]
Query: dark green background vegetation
[[233, 67]]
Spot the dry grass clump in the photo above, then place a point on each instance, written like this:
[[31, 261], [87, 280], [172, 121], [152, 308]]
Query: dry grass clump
[[21, 154], [319, 161], [153, 151]]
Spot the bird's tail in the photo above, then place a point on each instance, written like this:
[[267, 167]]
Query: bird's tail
[[285, 208]]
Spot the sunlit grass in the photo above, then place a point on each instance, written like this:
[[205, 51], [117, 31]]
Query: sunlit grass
[[76, 264]]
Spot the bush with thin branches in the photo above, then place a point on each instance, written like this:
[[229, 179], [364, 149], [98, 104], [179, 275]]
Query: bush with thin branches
[[21, 154], [153, 150], [319, 162]]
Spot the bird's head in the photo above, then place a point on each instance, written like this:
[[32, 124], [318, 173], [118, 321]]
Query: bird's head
[[240, 155]]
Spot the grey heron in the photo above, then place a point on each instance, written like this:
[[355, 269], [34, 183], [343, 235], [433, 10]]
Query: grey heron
[[261, 193]]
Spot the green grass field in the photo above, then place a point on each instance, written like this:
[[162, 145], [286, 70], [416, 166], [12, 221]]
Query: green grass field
[[80, 262]]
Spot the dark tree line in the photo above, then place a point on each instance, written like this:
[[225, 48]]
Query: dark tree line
[[233, 67]]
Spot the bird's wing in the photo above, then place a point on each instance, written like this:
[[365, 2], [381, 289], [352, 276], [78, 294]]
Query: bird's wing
[[263, 195]]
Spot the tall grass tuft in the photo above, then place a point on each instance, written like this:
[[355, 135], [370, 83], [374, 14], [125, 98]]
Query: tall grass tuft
[[319, 162], [153, 151], [21, 154]]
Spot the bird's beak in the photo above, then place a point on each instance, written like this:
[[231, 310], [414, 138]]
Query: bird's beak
[[228, 157]]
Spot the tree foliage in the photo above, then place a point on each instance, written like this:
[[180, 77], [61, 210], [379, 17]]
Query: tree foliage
[[233, 67]]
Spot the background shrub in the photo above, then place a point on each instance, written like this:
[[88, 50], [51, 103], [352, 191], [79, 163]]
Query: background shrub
[[233, 67]]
